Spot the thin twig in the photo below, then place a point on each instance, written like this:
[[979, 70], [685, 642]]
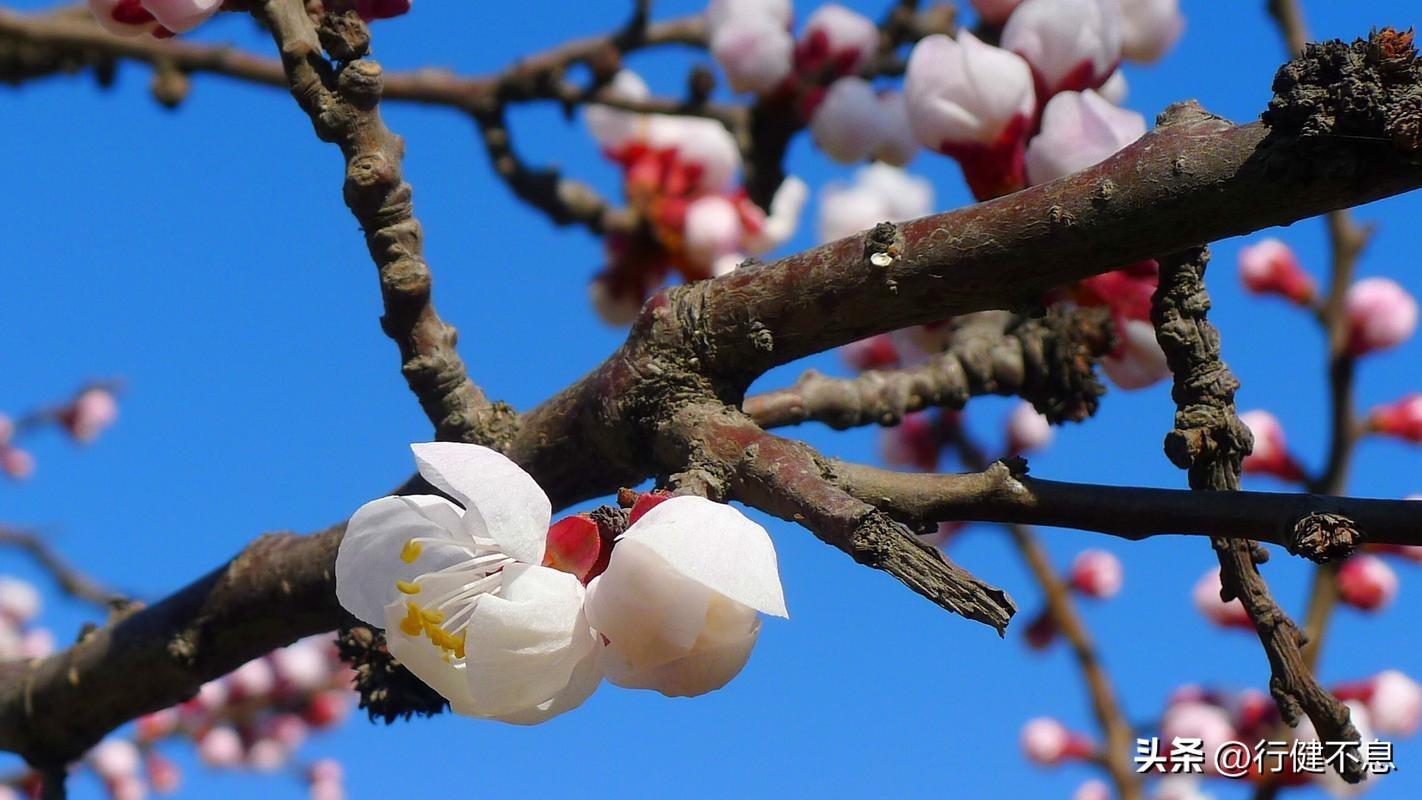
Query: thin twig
[[71, 581]]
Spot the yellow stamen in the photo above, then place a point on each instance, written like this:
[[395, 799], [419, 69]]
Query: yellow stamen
[[411, 624], [410, 551], [432, 616], [407, 587]]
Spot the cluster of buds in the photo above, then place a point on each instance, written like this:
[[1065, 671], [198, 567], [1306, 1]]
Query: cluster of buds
[[86, 415], [20, 638], [681, 175], [165, 18], [1095, 575], [254, 718]]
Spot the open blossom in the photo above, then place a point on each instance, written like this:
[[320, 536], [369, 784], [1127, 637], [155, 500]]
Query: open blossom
[[1206, 595], [1071, 44], [1027, 429], [836, 39], [1046, 742], [1198, 720], [1393, 700], [1079, 129], [878, 193], [476, 602], [1367, 583], [678, 606], [973, 102], [995, 12], [1401, 418], [1149, 28], [1270, 267], [1097, 574], [1270, 455], [754, 51], [1380, 315]]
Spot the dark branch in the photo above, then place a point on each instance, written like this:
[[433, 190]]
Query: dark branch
[[71, 581]]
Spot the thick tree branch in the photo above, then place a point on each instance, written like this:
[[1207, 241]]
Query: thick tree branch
[[1047, 361], [1210, 442]]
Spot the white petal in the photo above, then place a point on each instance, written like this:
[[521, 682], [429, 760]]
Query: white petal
[[524, 645], [515, 512], [585, 679], [653, 612], [716, 546], [368, 561], [424, 659], [182, 15], [718, 655]]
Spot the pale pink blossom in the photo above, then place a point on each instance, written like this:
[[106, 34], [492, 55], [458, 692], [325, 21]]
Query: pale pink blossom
[[1027, 429], [995, 12], [1079, 129], [267, 755], [326, 769], [1270, 455], [875, 352], [974, 102], [220, 747], [723, 12], [327, 790], [1197, 720], [775, 228], [703, 144], [303, 665], [163, 775], [1149, 28], [151, 727], [878, 193], [179, 16], [913, 443], [1046, 742], [1180, 787], [1115, 89], [836, 37], [713, 229], [123, 17], [612, 128], [253, 679], [1139, 362], [1097, 574], [1206, 595], [1270, 267], [1071, 44], [1380, 314], [896, 145], [17, 464], [754, 52], [1094, 789], [19, 600], [1366, 583], [128, 787], [1393, 700], [91, 413], [37, 643], [847, 125], [115, 758]]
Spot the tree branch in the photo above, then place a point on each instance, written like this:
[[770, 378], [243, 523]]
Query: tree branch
[[71, 581]]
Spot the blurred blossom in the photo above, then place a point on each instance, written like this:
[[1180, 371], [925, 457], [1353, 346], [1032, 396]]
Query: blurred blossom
[[19, 600], [1367, 583], [847, 124], [267, 755], [1180, 787], [1097, 574], [1071, 44], [896, 144], [91, 413], [1116, 89], [7, 430], [163, 775], [1380, 314], [1198, 720], [878, 193], [1401, 418], [17, 464], [1046, 742], [115, 758], [123, 17], [995, 12], [1271, 454], [220, 747], [1139, 361], [1149, 28], [253, 679], [1206, 595], [835, 39], [1270, 267], [723, 12], [1094, 789], [913, 443], [973, 102], [754, 52], [180, 16], [1393, 700], [1027, 429], [876, 352], [1079, 129]]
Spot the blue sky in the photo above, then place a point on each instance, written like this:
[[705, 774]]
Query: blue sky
[[206, 257]]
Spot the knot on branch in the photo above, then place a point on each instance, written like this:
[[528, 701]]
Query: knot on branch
[[1059, 353], [387, 690], [344, 35], [1324, 537], [1370, 89]]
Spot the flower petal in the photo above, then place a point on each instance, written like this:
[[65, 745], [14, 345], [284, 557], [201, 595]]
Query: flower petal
[[368, 562], [585, 679], [515, 511], [716, 546], [424, 659], [525, 644], [719, 654], [651, 610]]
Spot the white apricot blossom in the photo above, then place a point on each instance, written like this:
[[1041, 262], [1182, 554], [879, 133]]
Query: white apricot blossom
[[677, 607], [461, 591]]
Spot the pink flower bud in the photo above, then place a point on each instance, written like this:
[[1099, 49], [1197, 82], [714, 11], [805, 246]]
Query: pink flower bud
[[713, 229], [302, 666], [19, 600], [289, 730], [836, 39], [211, 696], [252, 680], [17, 464], [879, 193], [163, 775], [995, 12], [723, 12], [1079, 129], [220, 747], [1138, 362], [896, 145], [1207, 599], [1270, 267], [123, 17], [155, 726], [754, 52], [370, 10], [876, 352], [1047, 743], [1393, 700], [847, 125], [1149, 28], [576, 546], [1197, 720], [1271, 454], [912, 443], [113, 759], [267, 755], [128, 787], [326, 769], [91, 413], [1027, 430], [974, 102], [645, 502], [1401, 418], [1094, 789], [182, 15], [1366, 583], [1380, 315], [1041, 632], [326, 709], [1097, 574], [1071, 44], [327, 790]]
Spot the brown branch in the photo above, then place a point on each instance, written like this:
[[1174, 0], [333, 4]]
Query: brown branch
[[1048, 361], [71, 581], [1210, 442]]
